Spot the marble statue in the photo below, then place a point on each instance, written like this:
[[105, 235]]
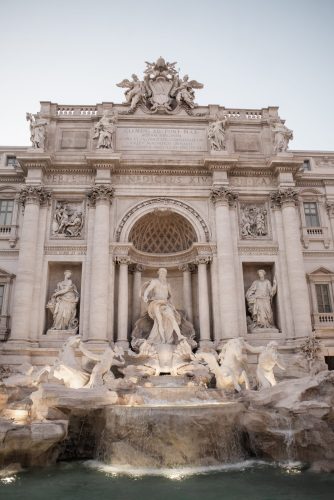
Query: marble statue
[[184, 92], [68, 221], [67, 367], [104, 362], [268, 359], [104, 130], [282, 136], [230, 367], [26, 376], [217, 135], [253, 223], [166, 319], [37, 131], [63, 304], [259, 299], [136, 91]]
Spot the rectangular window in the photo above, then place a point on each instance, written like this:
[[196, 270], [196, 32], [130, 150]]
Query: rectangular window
[[6, 212], [306, 166], [2, 289], [11, 160], [323, 298], [311, 214]]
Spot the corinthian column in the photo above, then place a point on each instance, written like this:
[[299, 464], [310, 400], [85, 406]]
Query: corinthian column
[[136, 287], [222, 198], [299, 297], [31, 197], [100, 196], [203, 300], [123, 294], [187, 290]]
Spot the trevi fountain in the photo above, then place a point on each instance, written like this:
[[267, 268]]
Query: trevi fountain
[[166, 286]]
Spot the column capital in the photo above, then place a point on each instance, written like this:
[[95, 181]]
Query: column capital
[[330, 208], [101, 192], [223, 195], [122, 259], [281, 197], [33, 194], [135, 268], [202, 259], [190, 267]]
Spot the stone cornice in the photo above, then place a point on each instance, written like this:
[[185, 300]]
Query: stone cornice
[[34, 161], [103, 162], [284, 164], [221, 162]]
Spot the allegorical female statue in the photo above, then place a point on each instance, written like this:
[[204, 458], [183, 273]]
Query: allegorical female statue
[[63, 304], [160, 308], [259, 298]]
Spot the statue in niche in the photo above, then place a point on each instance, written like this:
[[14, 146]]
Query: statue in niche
[[166, 319], [63, 304], [253, 222], [104, 130], [217, 134], [37, 131], [67, 221], [259, 299], [282, 136]]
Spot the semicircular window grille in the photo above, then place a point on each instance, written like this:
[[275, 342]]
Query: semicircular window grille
[[162, 231]]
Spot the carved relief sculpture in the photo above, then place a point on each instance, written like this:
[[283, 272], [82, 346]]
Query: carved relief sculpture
[[37, 131], [217, 134], [259, 299], [162, 90], [282, 136], [63, 304], [253, 221], [104, 130], [68, 220]]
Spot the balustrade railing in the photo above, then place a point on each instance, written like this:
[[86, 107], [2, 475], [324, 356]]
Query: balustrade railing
[[76, 110], [9, 233], [323, 319]]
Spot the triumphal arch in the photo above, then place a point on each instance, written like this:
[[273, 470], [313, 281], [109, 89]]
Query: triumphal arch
[[107, 194]]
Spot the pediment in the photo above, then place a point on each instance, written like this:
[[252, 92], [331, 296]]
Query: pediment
[[6, 275], [321, 271]]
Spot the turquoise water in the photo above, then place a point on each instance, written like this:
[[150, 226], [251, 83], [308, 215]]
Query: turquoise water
[[91, 481]]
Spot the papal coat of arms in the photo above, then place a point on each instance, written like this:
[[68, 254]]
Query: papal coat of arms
[[161, 90]]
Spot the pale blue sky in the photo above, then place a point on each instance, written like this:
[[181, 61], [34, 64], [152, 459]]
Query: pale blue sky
[[248, 53]]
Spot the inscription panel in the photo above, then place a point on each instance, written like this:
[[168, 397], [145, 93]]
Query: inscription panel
[[184, 180], [161, 139]]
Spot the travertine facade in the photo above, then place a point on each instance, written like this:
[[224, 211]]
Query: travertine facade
[[112, 192]]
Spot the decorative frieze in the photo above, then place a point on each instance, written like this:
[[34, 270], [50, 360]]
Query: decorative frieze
[[34, 194], [65, 250], [253, 221], [223, 195], [101, 192], [257, 250]]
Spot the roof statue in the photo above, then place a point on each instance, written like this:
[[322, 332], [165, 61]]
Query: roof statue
[[162, 90]]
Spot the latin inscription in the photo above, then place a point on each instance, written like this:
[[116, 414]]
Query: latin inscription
[[161, 139], [184, 180]]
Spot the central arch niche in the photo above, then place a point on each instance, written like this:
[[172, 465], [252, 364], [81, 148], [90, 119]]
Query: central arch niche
[[162, 232]]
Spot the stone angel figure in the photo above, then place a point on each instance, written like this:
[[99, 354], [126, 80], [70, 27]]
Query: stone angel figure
[[183, 91], [217, 134], [37, 131], [136, 91]]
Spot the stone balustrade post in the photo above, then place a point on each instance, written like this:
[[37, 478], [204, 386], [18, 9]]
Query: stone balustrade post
[[299, 297], [203, 300], [100, 196], [187, 290], [223, 198], [31, 197], [123, 301], [137, 269]]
